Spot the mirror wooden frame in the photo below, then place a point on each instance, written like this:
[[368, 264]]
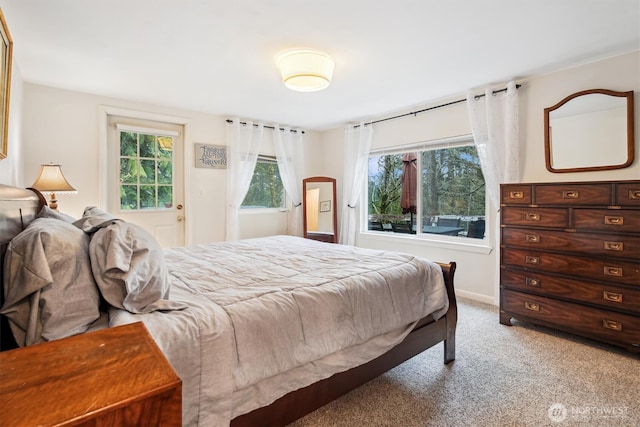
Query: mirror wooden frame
[[630, 132], [5, 79], [325, 237]]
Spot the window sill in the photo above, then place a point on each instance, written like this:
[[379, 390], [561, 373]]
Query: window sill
[[479, 246], [248, 211]]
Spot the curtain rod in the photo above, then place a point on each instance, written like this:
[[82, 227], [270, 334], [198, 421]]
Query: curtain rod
[[413, 113], [265, 126]]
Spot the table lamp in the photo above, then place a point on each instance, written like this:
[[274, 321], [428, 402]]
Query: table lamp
[[51, 181]]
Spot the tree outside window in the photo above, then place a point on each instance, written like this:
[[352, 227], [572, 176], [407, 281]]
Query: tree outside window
[[451, 193], [146, 171], [266, 189]]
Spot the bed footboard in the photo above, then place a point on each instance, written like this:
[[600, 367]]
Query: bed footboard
[[451, 318]]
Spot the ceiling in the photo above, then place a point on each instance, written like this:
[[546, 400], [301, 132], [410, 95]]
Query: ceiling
[[217, 56]]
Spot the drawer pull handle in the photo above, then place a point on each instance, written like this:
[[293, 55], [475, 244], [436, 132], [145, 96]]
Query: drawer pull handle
[[531, 216], [613, 246], [613, 220], [634, 194], [611, 296], [532, 238], [532, 260], [516, 195], [532, 282], [531, 306], [612, 324], [570, 195], [612, 271]]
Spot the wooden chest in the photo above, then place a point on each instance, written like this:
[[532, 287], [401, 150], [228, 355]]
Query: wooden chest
[[113, 377], [570, 258]]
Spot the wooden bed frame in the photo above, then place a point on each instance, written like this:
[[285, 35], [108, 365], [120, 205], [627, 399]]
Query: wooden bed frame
[[18, 207]]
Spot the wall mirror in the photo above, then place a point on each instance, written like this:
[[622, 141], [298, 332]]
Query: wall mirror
[[590, 130], [318, 202]]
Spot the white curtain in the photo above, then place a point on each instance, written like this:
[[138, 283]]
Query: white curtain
[[243, 147], [288, 146], [357, 144], [494, 122]]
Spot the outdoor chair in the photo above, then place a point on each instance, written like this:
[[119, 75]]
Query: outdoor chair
[[375, 225], [448, 222], [476, 229]]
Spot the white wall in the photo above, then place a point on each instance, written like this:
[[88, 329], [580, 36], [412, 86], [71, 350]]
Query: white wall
[[61, 126], [620, 73], [477, 274]]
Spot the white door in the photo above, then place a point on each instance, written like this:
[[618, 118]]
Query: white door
[[145, 176]]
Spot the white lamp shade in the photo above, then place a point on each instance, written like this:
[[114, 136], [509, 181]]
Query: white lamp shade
[[52, 180], [305, 70]]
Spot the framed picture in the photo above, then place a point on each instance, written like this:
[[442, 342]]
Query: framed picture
[[210, 156], [6, 51], [325, 206]]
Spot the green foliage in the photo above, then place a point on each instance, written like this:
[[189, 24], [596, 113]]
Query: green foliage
[[266, 189], [146, 171], [385, 186], [452, 184]]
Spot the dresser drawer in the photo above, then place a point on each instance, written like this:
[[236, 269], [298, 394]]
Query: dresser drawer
[[589, 321], [516, 194], [611, 271], [609, 220], [537, 217], [605, 295], [628, 194], [593, 244], [573, 194]]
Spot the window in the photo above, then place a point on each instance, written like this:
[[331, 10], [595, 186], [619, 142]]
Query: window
[[146, 171], [446, 195], [266, 189]]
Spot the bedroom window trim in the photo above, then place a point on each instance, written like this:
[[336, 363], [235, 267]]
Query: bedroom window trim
[[467, 244]]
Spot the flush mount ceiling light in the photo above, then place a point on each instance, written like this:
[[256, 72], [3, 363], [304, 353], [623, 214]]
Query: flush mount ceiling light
[[305, 70]]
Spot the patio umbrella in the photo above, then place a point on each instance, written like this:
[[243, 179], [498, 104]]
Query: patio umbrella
[[409, 184]]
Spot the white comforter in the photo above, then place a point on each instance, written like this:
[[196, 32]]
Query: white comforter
[[267, 316]]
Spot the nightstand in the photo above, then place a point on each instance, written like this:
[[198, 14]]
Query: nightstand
[[112, 377]]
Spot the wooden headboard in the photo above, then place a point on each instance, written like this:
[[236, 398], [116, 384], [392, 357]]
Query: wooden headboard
[[18, 207]]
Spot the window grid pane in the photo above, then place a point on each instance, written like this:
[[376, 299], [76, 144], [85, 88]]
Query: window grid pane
[[146, 171], [450, 188]]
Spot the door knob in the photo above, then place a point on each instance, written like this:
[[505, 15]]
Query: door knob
[[180, 218], [179, 206]]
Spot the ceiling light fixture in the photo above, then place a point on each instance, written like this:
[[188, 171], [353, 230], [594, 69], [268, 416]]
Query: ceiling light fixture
[[305, 70]]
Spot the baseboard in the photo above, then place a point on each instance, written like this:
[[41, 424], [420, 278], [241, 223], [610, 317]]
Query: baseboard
[[476, 297]]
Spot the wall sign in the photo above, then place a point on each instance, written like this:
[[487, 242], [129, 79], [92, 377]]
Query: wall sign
[[210, 156]]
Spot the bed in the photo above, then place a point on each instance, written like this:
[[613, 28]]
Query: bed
[[261, 331]]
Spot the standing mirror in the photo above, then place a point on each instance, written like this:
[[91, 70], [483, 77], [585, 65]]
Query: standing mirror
[[318, 202], [589, 131]]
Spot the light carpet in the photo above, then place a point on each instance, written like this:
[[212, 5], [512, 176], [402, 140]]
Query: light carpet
[[523, 375]]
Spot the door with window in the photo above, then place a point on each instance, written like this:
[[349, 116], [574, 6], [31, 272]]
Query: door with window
[[145, 176]]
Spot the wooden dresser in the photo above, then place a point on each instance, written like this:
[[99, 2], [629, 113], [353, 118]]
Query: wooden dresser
[[570, 258], [113, 377]]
